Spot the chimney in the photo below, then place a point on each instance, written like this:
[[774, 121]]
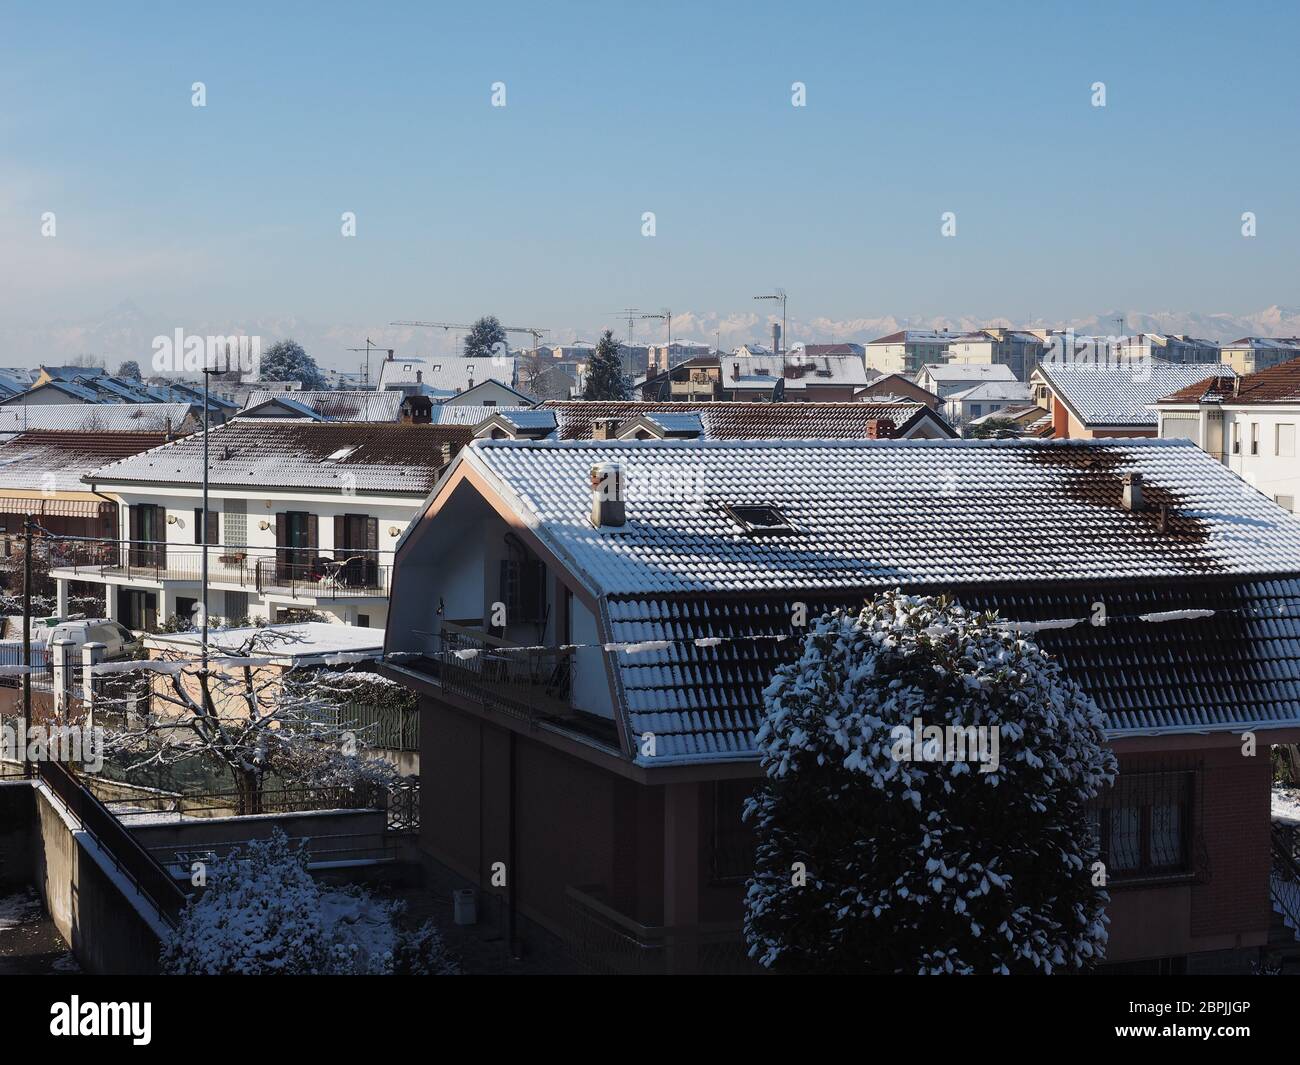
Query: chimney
[[880, 428], [607, 495], [419, 376], [1133, 491], [776, 338], [604, 429], [1236, 384]]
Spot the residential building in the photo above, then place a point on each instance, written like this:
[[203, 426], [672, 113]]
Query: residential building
[[695, 380], [1248, 423], [946, 379], [1027, 421], [62, 385], [635, 359], [41, 474], [814, 350], [1016, 348], [446, 377], [303, 516], [1251, 354], [1089, 400], [895, 386], [825, 378], [599, 732], [725, 420], [984, 399], [1168, 347], [909, 349], [664, 357]]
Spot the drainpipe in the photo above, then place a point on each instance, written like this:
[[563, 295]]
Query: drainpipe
[[512, 877]]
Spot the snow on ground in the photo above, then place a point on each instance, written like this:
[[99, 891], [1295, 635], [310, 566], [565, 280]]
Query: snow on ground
[[17, 910], [1286, 805]]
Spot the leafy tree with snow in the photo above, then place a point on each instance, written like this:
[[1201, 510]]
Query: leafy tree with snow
[[485, 338], [130, 371], [605, 378], [285, 360], [877, 855]]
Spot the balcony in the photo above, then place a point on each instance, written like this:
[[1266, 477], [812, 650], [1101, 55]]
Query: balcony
[[530, 683], [294, 572]]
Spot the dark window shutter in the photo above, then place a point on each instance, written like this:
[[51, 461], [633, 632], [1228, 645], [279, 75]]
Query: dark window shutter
[[372, 534], [340, 534], [198, 525], [214, 526], [279, 529], [313, 531]]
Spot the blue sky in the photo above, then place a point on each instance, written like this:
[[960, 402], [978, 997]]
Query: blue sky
[[230, 214]]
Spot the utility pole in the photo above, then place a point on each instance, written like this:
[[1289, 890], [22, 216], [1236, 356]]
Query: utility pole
[[207, 376], [27, 640]]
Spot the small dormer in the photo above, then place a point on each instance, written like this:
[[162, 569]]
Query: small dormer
[[517, 425], [662, 425]]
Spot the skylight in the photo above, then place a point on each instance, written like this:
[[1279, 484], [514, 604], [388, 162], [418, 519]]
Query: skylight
[[341, 453], [760, 518]]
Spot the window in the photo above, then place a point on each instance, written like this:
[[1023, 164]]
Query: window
[[1254, 438], [1144, 825], [1236, 439], [1284, 440], [214, 526], [731, 841], [363, 621], [760, 518]]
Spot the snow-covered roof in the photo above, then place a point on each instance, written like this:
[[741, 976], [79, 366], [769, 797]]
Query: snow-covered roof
[[800, 372], [300, 643], [351, 405], [1118, 393], [446, 375], [1010, 391], [951, 372], [107, 417], [1200, 587]]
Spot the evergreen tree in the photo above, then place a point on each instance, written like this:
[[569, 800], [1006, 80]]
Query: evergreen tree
[[605, 378], [285, 360], [485, 339], [876, 856], [129, 371]]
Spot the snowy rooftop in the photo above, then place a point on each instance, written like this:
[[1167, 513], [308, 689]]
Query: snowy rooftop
[[1013, 391], [949, 372], [1118, 393], [1200, 587], [303, 643], [799, 372]]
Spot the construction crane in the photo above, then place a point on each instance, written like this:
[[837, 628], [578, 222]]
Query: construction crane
[[534, 332]]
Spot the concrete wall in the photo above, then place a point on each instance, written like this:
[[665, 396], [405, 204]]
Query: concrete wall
[[91, 907]]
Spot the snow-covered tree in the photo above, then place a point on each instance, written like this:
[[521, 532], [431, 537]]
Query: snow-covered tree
[[285, 360], [249, 715], [605, 378], [260, 913], [485, 338], [130, 371], [876, 854]]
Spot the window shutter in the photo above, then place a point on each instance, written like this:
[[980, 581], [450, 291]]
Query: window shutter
[[313, 531], [198, 525], [279, 530], [372, 534], [214, 527], [340, 534]]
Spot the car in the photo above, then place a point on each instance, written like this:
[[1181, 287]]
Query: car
[[118, 640]]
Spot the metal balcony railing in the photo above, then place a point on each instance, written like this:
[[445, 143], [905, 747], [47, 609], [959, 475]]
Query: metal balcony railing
[[297, 572]]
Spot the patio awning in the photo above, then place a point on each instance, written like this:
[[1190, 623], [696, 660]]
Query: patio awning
[[43, 506]]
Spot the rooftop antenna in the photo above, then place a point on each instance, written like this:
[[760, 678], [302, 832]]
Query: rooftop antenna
[[369, 344], [630, 315], [778, 294]]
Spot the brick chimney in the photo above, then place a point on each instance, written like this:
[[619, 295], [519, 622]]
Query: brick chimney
[[604, 429], [880, 428], [607, 507]]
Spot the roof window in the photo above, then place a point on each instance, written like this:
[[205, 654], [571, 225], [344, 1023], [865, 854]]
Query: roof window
[[760, 519]]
